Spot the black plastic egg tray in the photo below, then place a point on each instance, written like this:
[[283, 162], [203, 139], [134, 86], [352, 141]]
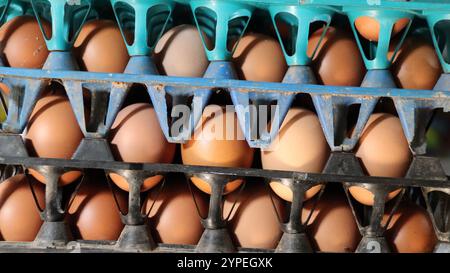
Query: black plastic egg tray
[[415, 109]]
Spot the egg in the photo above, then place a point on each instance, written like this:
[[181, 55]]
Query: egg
[[218, 142], [416, 65], [369, 27], [174, 218], [100, 47], [19, 216], [93, 214], [410, 230], [332, 227], [136, 137], [53, 132], [337, 60], [259, 57], [301, 146], [254, 222], [22, 42], [180, 52], [383, 151]]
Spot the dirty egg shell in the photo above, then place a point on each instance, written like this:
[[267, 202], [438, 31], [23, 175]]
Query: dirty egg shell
[[100, 47], [19, 215], [301, 146], [93, 214], [180, 52], [53, 132], [254, 222], [337, 60], [174, 218], [23, 42], [137, 137], [259, 57], [218, 142]]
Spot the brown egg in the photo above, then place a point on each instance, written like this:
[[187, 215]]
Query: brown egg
[[137, 137], [180, 52], [94, 214], [369, 27], [100, 47], [254, 222], [19, 215], [53, 132], [416, 66], [174, 218], [332, 227], [23, 43], [338, 60], [301, 146], [217, 141], [259, 58], [410, 230], [383, 151]]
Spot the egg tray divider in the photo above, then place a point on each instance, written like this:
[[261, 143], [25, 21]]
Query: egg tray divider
[[339, 169]]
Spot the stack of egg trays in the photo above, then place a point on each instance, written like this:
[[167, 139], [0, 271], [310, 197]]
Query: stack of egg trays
[[215, 17]]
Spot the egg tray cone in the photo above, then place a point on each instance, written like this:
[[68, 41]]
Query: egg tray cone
[[215, 241], [294, 243]]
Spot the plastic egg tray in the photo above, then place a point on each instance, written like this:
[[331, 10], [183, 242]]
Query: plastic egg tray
[[222, 20]]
